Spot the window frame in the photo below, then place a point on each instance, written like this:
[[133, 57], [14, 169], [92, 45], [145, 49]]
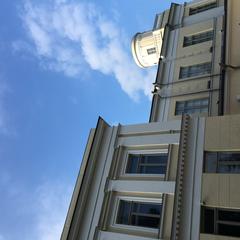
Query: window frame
[[198, 72], [142, 152], [202, 8], [218, 162], [186, 108], [132, 213], [147, 230], [217, 221], [198, 38], [151, 51]]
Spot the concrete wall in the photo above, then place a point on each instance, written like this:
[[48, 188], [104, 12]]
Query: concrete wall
[[221, 190], [167, 219], [222, 133], [233, 58], [215, 237], [174, 89]]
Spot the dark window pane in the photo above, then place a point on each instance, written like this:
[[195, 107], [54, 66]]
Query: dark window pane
[[124, 210], [207, 220], [147, 208], [229, 230], [155, 158], [220, 222], [153, 169], [226, 162], [229, 162], [151, 50], [195, 70], [224, 156], [210, 163], [192, 106], [132, 165], [143, 221], [198, 38], [229, 168], [202, 8], [147, 164], [139, 214], [229, 216]]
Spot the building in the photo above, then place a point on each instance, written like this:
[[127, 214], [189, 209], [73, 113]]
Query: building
[[177, 176]]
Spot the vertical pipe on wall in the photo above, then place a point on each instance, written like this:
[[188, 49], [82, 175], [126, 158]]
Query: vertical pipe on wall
[[223, 62]]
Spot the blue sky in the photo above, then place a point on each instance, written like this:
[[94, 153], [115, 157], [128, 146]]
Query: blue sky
[[63, 64]]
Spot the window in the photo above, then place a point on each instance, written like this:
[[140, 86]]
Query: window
[[192, 106], [202, 8], [198, 38], [151, 50], [220, 221], [142, 214], [147, 163], [195, 70], [222, 162]]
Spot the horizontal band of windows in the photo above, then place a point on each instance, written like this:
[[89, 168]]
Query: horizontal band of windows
[[198, 38], [195, 70], [220, 221], [222, 162], [192, 106], [202, 8]]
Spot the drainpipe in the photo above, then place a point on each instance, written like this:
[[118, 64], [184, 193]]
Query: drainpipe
[[223, 62]]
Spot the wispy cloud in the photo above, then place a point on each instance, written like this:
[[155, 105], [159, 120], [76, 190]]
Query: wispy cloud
[[71, 37], [52, 201], [42, 210]]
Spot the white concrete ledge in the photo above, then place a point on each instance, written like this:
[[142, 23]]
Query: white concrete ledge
[[149, 128], [117, 236], [142, 186], [150, 140]]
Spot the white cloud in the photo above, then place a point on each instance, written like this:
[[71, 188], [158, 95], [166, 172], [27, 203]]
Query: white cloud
[[42, 211], [51, 204], [72, 36]]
